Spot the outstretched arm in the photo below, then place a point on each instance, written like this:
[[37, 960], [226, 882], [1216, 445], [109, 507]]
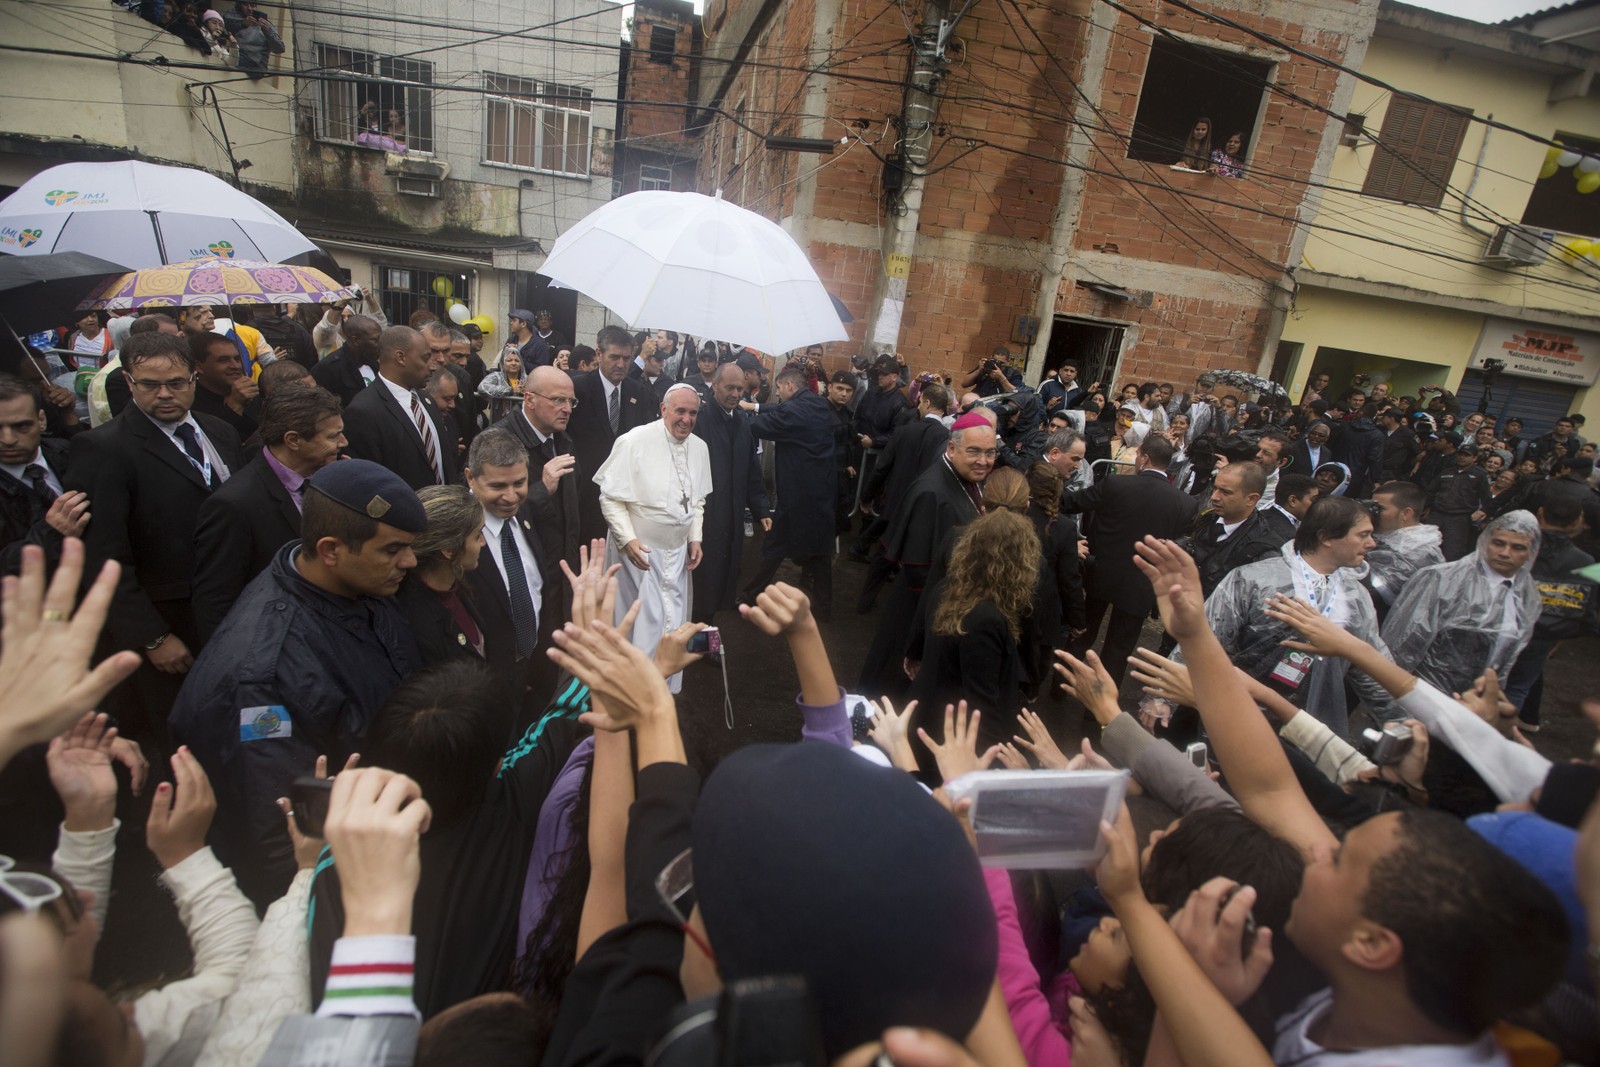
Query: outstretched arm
[[1246, 746]]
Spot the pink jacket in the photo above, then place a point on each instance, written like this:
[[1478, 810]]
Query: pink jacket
[[1038, 1014]]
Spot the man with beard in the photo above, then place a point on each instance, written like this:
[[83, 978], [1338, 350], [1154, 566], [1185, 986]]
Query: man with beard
[[737, 487]]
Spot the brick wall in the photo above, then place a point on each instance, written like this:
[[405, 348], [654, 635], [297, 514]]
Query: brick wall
[[1012, 88], [652, 80]]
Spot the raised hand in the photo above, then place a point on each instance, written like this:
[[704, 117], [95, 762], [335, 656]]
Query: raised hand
[[1176, 581], [1117, 873], [1488, 702], [1011, 759], [376, 819], [626, 680], [308, 849], [79, 762], [891, 731], [1040, 743], [1161, 677], [181, 812], [1090, 684], [1320, 637], [957, 754], [672, 651], [1088, 759], [779, 608], [1212, 927], [593, 594], [45, 681]]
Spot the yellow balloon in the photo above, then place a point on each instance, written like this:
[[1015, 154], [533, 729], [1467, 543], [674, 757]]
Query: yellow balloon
[[1588, 183], [1580, 247], [1549, 169], [1553, 153], [484, 323], [443, 288]]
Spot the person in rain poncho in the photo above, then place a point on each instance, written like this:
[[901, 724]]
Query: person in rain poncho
[[1022, 443], [1406, 544], [1323, 565], [1332, 478], [653, 491], [1453, 620]]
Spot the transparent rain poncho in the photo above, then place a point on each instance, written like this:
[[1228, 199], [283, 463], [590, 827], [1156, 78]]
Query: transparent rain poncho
[[1453, 620], [1236, 611], [1400, 554]]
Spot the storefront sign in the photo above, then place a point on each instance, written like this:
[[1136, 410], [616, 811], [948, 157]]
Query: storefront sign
[[1533, 351]]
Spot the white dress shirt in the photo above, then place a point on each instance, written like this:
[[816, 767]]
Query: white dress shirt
[[530, 565], [403, 398]]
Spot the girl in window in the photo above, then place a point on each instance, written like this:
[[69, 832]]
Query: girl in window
[[1197, 149], [1228, 161]]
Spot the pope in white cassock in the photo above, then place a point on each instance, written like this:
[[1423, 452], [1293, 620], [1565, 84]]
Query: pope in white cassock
[[653, 490]]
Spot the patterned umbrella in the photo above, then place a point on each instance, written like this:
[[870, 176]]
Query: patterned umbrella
[[214, 280]]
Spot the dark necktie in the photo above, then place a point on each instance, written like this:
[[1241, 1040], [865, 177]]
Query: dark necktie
[[614, 410], [35, 473], [523, 615], [549, 449], [191, 445]]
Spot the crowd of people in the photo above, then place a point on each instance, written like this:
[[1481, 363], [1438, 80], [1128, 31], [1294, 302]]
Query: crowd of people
[[370, 650], [243, 37]]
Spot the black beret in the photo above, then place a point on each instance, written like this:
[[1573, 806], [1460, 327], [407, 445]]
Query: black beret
[[371, 490], [811, 861]]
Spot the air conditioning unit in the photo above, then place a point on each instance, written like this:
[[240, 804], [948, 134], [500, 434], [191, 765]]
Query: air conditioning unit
[[1518, 244], [417, 187]]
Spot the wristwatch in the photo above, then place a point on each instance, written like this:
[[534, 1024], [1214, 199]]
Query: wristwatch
[[153, 645]]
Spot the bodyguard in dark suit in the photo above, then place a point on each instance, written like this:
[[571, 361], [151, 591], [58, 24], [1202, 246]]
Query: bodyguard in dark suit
[[736, 488], [1400, 446], [914, 448], [806, 483], [33, 469], [339, 372], [242, 526], [609, 405], [147, 473], [515, 588], [541, 425], [1124, 509], [394, 424]]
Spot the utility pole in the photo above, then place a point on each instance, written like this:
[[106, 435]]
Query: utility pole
[[919, 115]]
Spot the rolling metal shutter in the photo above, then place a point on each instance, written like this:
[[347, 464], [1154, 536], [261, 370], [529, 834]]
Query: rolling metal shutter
[[1536, 402]]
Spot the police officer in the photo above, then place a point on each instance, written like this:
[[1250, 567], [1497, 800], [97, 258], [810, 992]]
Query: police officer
[[310, 650]]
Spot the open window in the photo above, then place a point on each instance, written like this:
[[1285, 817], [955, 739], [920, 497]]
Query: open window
[[1555, 203], [663, 44], [1417, 150], [1184, 83], [375, 109]]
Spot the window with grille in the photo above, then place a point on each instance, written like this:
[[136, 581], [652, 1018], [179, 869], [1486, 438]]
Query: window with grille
[[373, 109], [663, 44], [1417, 149], [537, 125], [655, 178]]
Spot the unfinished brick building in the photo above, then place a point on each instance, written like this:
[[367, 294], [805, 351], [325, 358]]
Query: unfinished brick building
[[1046, 213]]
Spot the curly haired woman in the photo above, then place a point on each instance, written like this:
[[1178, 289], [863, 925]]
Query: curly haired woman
[[970, 647]]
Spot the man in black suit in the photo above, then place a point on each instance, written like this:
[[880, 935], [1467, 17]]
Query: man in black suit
[[148, 471], [240, 529], [514, 587], [394, 424], [1400, 445], [347, 370], [609, 405], [1233, 533], [914, 448], [801, 425], [541, 425], [1124, 510], [33, 509], [736, 488]]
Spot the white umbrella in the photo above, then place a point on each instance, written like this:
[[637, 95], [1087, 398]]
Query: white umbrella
[[143, 215], [700, 265]]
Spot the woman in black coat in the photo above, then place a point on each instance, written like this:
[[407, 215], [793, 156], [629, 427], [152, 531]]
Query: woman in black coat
[[433, 598], [969, 648]]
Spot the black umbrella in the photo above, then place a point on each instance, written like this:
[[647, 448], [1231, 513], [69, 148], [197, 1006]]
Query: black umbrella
[[37, 292], [844, 312]]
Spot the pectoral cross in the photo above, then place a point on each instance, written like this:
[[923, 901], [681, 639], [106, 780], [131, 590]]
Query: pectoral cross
[[685, 499]]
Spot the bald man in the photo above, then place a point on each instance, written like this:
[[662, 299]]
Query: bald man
[[541, 425]]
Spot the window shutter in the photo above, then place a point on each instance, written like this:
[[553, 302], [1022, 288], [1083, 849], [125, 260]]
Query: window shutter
[[1417, 152]]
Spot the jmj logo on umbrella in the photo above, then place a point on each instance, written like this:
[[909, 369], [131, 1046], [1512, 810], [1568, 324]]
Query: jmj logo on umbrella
[[218, 248], [57, 197], [10, 235]]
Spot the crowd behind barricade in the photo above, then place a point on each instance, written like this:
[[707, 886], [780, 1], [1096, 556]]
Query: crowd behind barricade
[[370, 650]]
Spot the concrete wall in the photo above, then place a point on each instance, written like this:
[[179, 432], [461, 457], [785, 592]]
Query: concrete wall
[[140, 110]]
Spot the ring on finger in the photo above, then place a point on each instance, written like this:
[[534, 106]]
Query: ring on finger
[[53, 615]]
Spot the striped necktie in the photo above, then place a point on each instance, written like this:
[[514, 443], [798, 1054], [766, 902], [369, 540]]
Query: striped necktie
[[425, 428]]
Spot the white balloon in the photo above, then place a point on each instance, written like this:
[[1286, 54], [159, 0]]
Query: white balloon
[[1567, 158], [1588, 165], [459, 313]]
